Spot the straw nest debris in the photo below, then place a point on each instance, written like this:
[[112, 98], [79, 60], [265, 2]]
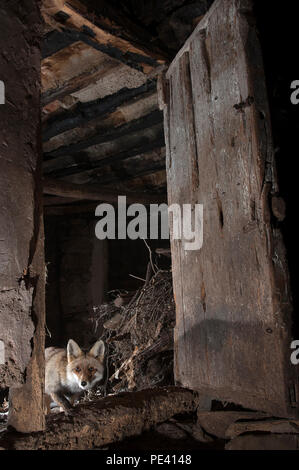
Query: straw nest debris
[[138, 330]]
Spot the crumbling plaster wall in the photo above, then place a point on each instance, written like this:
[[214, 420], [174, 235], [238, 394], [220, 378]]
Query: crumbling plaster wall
[[21, 225]]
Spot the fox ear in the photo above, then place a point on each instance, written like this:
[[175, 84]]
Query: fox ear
[[73, 350], [98, 350]]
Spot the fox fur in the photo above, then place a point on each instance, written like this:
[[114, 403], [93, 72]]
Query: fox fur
[[70, 371]]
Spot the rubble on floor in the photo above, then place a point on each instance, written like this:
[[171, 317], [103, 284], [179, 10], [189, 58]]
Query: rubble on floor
[[250, 430], [3, 415], [220, 423], [264, 442], [212, 430]]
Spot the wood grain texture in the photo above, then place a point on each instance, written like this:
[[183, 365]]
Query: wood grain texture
[[232, 297], [107, 420], [92, 193], [121, 49]]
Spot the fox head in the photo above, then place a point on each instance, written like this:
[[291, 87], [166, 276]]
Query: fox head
[[85, 369]]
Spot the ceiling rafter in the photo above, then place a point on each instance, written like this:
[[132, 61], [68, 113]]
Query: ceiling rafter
[[84, 30], [85, 166], [149, 120], [84, 112], [87, 192]]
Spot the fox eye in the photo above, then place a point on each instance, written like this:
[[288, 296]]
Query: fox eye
[[78, 369], [91, 369]]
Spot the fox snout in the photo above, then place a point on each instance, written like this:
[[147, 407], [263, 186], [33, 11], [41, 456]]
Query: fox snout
[[88, 376]]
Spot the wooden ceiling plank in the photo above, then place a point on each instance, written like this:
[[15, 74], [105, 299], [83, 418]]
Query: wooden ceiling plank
[[86, 192], [85, 112], [149, 120], [77, 83], [121, 49], [56, 40], [138, 174], [84, 165], [136, 167], [122, 115]]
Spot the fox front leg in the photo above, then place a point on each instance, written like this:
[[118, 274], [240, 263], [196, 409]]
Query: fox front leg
[[63, 402], [47, 406], [74, 398]]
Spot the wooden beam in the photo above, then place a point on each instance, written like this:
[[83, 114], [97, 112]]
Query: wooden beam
[[107, 420], [133, 168], [124, 176], [117, 22], [71, 209], [121, 49], [85, 112], [84, 165], [56, 40], [86, 192], [78, 82], [122, 115], [149, 120], [54, 201]]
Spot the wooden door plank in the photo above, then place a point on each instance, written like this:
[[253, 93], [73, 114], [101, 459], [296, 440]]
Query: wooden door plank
[[233, 302]]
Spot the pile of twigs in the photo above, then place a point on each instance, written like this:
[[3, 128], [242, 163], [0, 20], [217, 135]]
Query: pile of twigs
[[139, 334]]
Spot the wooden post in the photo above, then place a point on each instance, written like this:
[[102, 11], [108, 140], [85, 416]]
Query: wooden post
[[233, 303], [22, 273]]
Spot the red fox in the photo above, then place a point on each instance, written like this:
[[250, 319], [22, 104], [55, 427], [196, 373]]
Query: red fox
[[70, 371]]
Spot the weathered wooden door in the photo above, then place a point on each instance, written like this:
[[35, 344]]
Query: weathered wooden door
[[232, 297]]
